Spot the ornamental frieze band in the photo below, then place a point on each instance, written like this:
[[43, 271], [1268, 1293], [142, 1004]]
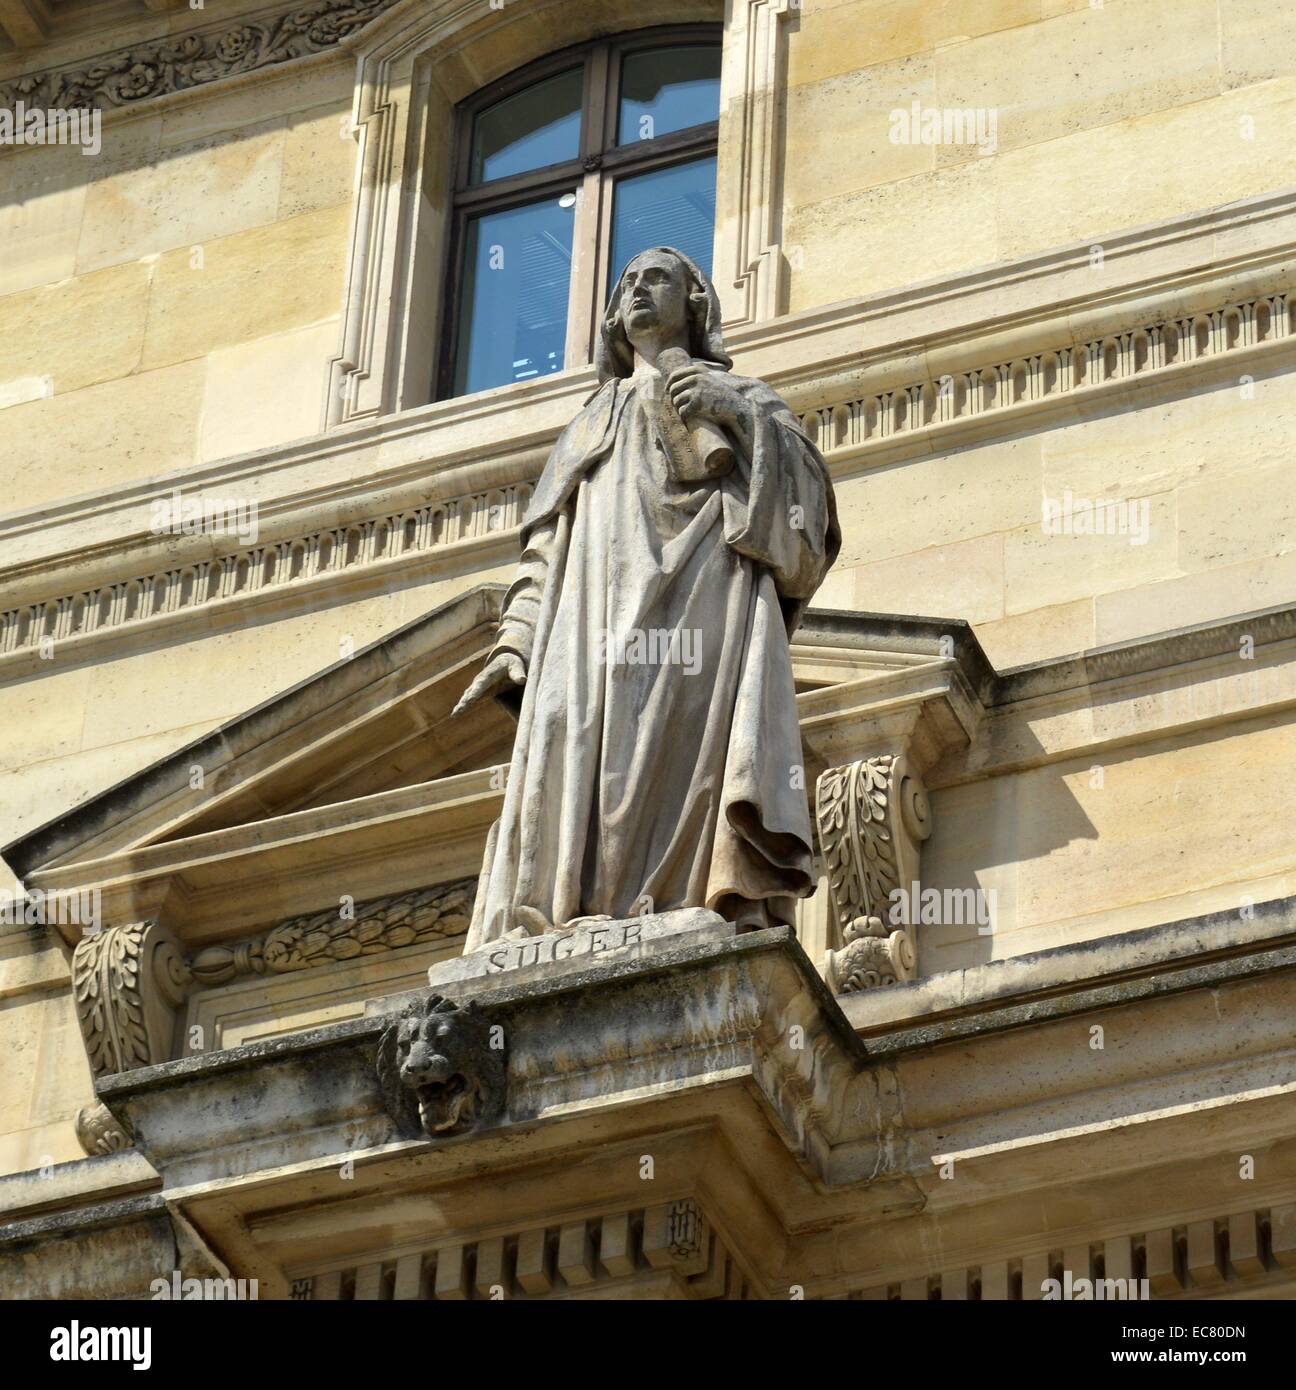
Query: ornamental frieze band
[[164, 66]]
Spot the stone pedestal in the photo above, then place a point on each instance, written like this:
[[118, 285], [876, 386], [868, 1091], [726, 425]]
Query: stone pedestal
[[602, 1112], [593, 941]]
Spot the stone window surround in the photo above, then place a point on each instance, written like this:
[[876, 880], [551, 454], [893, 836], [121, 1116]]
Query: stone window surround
[[415, 64]]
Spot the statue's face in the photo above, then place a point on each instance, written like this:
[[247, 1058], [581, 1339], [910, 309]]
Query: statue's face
[[654, 298]]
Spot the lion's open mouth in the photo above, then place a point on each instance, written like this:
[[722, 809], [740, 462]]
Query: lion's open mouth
[[446, 1104]]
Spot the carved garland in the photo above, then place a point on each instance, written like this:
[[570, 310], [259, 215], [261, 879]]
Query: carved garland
[[321, 938], [873, 816], [174, 65]]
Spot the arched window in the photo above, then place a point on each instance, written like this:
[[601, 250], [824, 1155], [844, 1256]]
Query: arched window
[[562, 173]]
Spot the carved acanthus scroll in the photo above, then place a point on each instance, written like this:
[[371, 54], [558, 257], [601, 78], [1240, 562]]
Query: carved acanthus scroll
[[127, 982], [873, 816]]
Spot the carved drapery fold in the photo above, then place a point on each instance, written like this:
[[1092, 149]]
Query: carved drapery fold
[[873, 816]]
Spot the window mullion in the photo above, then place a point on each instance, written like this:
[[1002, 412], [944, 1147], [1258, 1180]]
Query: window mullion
[[605, 235], [612, 89], [582, 309], [679, 145], [520, 187], [596, 97]]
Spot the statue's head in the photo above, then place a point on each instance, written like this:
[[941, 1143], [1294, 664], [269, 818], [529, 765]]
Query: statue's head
[[664, 296]]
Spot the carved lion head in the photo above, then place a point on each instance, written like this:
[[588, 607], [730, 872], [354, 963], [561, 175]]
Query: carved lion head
[[438, 1070]]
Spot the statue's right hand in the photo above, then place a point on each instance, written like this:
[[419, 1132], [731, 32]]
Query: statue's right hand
[[501, 671]]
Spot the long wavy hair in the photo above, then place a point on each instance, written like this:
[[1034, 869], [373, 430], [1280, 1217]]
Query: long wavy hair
[[615, 357]]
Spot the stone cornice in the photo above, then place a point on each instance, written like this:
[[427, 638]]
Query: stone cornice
[[858, 1130], [236, 879], [1152, 961], [1097, 702], [764, 967], [207, 885], [876, 381]]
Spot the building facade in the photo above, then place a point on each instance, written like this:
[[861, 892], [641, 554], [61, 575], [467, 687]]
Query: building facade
[[295, 303]]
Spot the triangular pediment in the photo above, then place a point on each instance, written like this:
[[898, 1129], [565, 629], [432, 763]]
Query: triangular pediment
[[376, 721]]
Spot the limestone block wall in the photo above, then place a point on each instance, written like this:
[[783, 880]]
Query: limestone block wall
[[1107, 114], [46, 1077], [175, 298], [1113, 842], [1104, 117], [1206, 485]]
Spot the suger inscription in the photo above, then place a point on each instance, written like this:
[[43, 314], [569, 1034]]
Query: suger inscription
[[581, 941]]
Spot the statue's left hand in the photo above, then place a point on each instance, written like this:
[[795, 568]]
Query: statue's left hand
[[700, 392]]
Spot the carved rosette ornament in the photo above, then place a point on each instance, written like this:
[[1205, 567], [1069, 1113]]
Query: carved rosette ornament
[[441, 1068], [99, 1131], [873, 816]]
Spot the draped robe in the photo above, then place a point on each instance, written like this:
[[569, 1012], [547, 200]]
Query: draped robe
[[673, 781]]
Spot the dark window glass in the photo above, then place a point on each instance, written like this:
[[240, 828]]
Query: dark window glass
[[667, 207], [564, 173], [517, 274], [534, 128], [668, 89]]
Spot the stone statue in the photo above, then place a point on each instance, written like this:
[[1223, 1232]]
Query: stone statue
[[680, 526]]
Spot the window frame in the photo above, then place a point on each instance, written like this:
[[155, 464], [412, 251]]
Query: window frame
[[593, 175]]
